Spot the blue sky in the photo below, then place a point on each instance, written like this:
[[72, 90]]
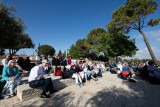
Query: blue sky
[[60, 23]]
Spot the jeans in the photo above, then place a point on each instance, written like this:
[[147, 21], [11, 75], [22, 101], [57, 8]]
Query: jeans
[[99, 73], [89, 75], [46, 83]]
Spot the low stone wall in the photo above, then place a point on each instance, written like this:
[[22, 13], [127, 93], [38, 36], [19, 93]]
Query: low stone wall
[[24, 92]]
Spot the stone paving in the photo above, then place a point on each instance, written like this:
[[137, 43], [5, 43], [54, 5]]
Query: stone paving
[[108, 91]]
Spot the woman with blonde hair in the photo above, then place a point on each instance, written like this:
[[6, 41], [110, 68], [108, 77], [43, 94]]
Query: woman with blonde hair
[[11, 76]]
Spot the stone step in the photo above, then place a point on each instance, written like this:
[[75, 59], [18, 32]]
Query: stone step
[[24, 92]]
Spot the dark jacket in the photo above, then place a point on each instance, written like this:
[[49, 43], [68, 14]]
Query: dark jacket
[[71, 72], [65, 63], [78, 69], [55, 62]]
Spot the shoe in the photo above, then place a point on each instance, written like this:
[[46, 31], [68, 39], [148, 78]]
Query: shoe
[[78, 85], [52, 91], [96, 79], [82, 84], [45, 96]]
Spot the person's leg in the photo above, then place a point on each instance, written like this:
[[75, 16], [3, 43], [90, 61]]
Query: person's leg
[[82, 74], [47, 85], [80, 80], [76, 79], [36, 83]]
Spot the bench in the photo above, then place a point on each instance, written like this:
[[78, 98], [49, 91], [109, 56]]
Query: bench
[[24, 92]]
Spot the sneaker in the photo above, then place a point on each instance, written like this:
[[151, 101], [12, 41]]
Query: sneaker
[[78, 85], [82, 84], [96, 79], [45, 96], [52, 91]]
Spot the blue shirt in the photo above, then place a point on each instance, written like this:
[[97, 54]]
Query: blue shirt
[[126, 68]]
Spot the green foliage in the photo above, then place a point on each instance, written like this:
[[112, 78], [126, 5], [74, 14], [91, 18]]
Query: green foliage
[[46, 50], [114, 44], [59, 53], [74, 52], [132, 16], [94, 34], [82, 46], [12, 31], [64, 54]]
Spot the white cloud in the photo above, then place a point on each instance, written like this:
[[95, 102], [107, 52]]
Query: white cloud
[[155, 33], [152, 34], [144, 54]]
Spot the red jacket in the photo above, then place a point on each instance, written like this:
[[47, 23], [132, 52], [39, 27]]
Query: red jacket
[[69, 61]]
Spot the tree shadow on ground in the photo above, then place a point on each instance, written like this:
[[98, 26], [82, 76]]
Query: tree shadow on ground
[[123, 94]]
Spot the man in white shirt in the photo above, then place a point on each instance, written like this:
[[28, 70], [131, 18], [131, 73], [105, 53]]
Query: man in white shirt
[[6, 60], [38, 78]]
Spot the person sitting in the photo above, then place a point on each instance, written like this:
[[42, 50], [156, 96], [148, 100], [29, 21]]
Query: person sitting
[[61, 59], [37, 78], [6, 60], [49, 68], [94, 70], [88, 73], [154, 73], [21, 62], [81, 72], [69, 61], [73, 73], [107, 66], [126, 71], [99, 67], [11, 76], [119, 68], [55, 63], [66, 64]]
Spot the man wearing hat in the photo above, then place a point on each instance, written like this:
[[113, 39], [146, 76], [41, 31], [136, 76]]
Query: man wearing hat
[[38, 78]]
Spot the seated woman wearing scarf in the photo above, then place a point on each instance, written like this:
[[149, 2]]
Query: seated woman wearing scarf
[[11, 76]]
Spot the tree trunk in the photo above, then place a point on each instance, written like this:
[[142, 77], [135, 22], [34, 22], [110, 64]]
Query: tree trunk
[[149, 48], [116, 59]]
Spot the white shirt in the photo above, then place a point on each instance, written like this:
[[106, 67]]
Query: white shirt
[[35, 73], [5, 62], [99, 66], [120, 67], [85, 69]]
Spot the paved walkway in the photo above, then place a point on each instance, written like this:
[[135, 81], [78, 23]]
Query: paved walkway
[[108, 91]]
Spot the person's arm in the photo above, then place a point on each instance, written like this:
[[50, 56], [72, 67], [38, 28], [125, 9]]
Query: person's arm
[[5, 75], [16, 71]]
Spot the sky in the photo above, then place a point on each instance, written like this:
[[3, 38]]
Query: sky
[[60, 23]]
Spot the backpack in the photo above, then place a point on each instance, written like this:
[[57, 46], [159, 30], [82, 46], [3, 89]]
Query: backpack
[[65, 74], [59, 72]]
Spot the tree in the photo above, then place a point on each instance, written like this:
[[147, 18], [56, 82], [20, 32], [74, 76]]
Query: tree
[[83, 48], [12, 30], [46, 50], [64, 54], [133, 16], [114, 45], [74, 52], [59, 53]]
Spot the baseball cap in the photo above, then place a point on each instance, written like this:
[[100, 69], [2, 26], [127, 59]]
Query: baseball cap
[[44, 61]]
